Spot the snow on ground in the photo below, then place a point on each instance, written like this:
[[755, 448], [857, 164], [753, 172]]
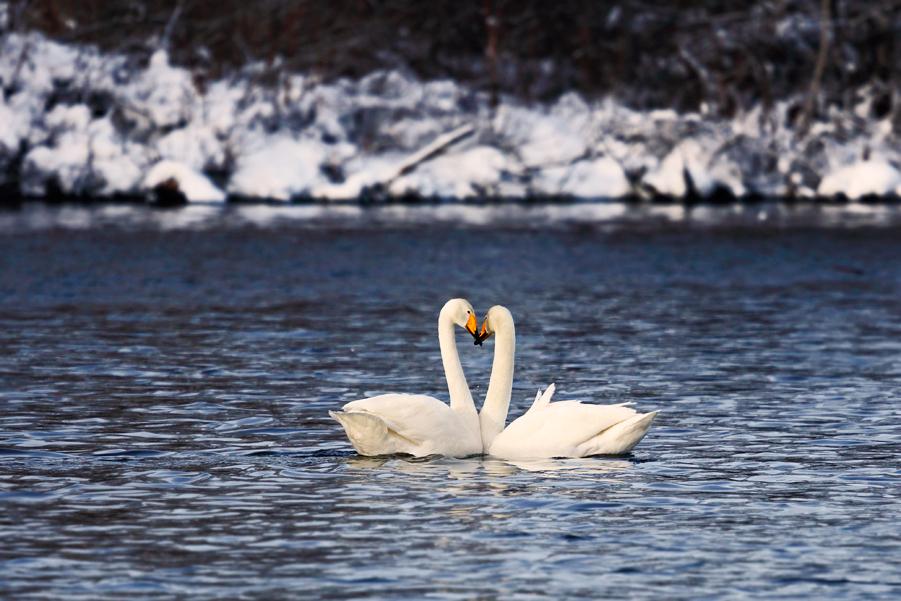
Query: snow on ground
[[10, 132], [116, 164], [467, 174], [161, 94], [86, 123], [537, 138], [66, 152], [195, 145], [278, 167]]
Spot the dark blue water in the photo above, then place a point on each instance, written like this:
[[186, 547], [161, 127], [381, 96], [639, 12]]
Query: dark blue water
[[165, 379]]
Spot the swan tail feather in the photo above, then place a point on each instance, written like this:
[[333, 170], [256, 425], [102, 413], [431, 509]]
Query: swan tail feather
[[370, 435], [620, 438], [542, 399]]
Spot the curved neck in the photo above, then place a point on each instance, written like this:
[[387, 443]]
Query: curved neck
[[493, 416], [460, 397]]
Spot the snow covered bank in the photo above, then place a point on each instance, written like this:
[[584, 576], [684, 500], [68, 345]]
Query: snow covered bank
[[77, 122], [867, 178]]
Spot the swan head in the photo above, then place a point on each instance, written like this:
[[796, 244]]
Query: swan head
[[498, 316], [461, 313]]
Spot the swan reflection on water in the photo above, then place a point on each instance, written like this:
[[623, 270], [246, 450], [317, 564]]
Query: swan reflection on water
[[593, 466], [463, 488], [468, 468]]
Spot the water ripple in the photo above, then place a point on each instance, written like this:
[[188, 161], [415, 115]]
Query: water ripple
[[165, 391]]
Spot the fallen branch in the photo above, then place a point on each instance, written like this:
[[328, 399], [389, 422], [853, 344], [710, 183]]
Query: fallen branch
[[428, 152], [373, 186]]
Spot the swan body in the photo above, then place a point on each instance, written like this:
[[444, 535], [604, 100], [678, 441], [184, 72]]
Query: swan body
[[561, 429], [417, 424], [413, 424], [571, 429]]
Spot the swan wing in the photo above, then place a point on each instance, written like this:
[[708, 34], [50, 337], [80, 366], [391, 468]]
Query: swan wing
[[416, 417], [416, 424], [558, 429], [575, 422], [370, 435], [542, 400], [620, 438]]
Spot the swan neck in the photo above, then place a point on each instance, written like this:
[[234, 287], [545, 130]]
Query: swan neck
[[493, 416], [457, 387]]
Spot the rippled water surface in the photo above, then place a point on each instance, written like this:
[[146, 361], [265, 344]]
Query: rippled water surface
[[165, 380]]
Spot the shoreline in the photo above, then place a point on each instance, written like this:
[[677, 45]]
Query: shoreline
[[574, 216], [78, 123], [149, 200]]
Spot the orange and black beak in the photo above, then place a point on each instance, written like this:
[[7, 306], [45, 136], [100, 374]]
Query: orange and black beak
[[483, 333], [472, 326]]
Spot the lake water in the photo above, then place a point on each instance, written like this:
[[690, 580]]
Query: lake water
[[165, 378]]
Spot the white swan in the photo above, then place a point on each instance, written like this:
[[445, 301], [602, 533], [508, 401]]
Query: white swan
[[561, 429], [416, 424]]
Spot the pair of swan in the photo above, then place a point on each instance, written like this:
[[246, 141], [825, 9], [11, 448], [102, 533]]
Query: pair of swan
[[421, 425]]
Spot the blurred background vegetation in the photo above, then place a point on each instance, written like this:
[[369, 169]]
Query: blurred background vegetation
[[683, 54]]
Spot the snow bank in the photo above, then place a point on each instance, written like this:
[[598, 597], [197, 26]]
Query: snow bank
[[195, 145], [195, 186], [116, 164], [81, 154], [692, 164], [10, 132], [162, 95], [67, 151], [278, 168], [81, 122], [861, 179], [362, 173], [596, 178], [472, 173], [538, 138]]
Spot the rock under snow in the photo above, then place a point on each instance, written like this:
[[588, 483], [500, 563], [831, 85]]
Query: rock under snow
[[695, 159], [194, 185], [862, 179], [587, 179]]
